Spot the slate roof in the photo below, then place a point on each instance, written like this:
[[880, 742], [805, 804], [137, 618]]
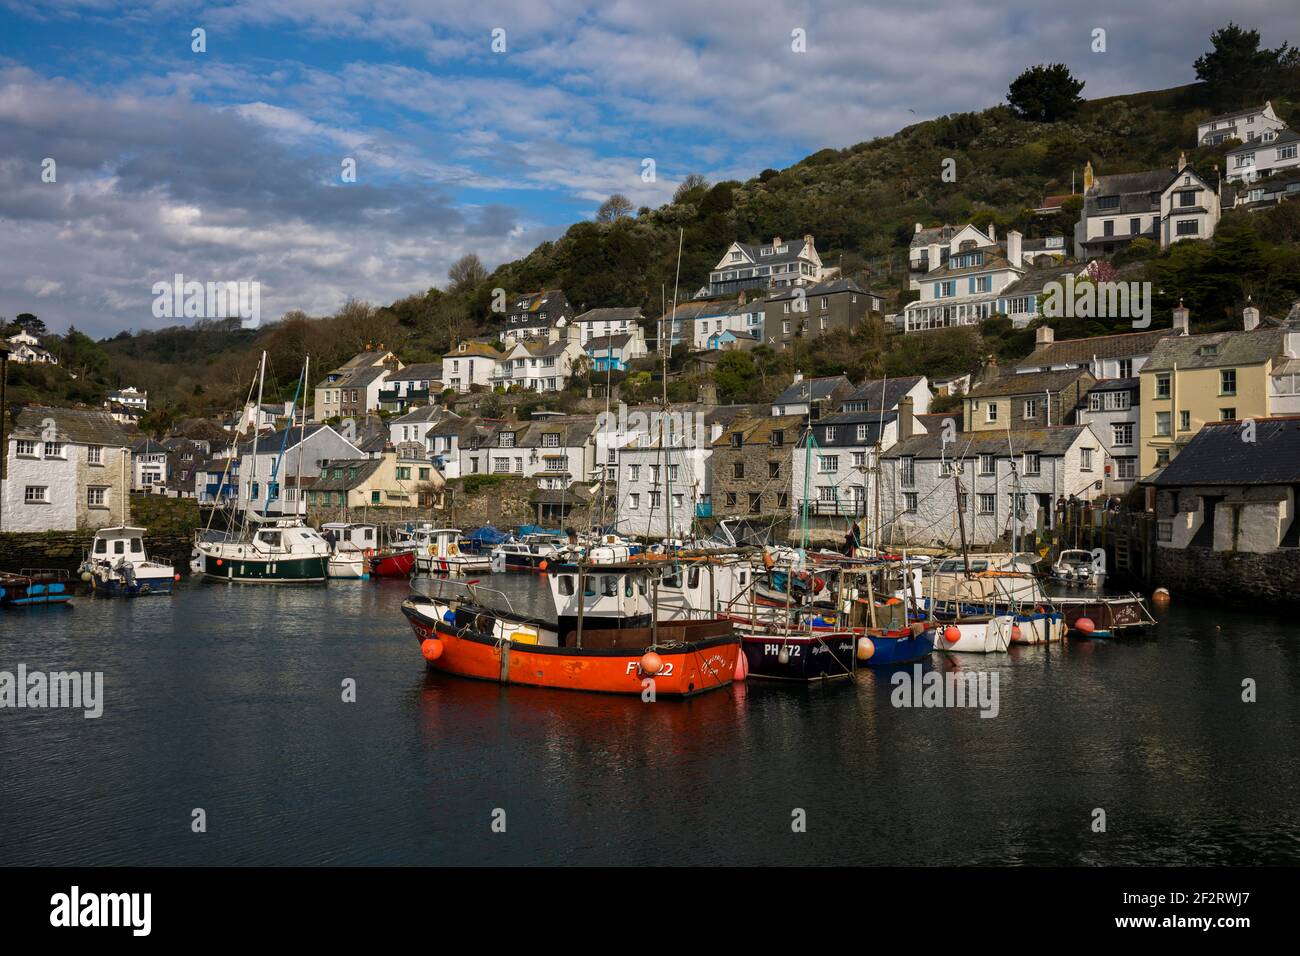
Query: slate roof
[[598, 344], [894, 391], [472, 350], [795, 249], [424, 371], [1035, 278], [939, 234], [757, 430], [828, 287], [425, 413], [1134, 190], [812, 389], [1026, 383], [1045, 441], [1116, 385], [1217, 455], [350, 377], [364, 468], [573, 431], [268, 443], [78, 425], [1284, 135], [1083, 351], [621, 314], [1237, 347], [846, 428]]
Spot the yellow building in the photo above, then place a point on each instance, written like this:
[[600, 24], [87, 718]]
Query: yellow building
[[383, 482], [1192, 380]]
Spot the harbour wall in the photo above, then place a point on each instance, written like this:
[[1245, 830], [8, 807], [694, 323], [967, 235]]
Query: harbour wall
[[1236, 577]]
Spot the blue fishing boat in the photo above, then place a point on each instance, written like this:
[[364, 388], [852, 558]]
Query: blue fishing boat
[[34, 588]]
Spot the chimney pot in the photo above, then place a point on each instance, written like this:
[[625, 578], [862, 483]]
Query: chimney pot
[[1181, 316]]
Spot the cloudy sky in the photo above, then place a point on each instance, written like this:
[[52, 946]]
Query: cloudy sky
[[227, 164]]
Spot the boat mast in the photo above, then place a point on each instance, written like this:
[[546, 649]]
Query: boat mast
[[302, 437], [961, 521], [663, 419], [257, 413]]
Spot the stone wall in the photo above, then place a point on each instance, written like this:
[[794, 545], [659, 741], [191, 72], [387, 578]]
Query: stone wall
[[1229, 576]]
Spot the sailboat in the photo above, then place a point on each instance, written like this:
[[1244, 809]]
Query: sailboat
[[266, 549]]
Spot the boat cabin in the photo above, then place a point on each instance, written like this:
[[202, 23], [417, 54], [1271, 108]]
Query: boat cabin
[[351, 537], [114, 544]]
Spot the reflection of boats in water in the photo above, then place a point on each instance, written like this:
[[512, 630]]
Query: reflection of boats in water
[[607, 636]]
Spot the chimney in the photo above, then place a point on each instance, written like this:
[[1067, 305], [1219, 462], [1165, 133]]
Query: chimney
[[1182, 161], [1088, 178], [934, 257], [1180, 325], [917, 231], [993, 233], [808, 242], [905, 420], [1014, 247], [1044, 335], [1250, 317], [990, 371], [708, 393], [798, 377], [776, 241]]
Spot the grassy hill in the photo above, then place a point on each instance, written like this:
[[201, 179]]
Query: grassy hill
[[860, 203]]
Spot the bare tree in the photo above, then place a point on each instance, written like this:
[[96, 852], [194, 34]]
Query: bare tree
[[466, 274], [616, 206], [692, 182]]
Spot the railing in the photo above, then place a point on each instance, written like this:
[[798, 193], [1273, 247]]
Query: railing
[[845, 509]]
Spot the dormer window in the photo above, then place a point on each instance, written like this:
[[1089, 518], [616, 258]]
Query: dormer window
[[1107, 202]]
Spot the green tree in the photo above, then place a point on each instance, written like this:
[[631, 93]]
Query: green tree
[[1045, 93], [1237, 70]]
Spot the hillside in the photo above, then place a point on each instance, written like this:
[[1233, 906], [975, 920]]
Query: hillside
[[860, 203]]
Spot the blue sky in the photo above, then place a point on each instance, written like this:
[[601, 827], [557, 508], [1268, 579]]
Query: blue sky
[[225, 165]]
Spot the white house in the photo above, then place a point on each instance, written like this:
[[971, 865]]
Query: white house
[[919, 495], [469, 363], [26, 349], [67, 469], [598, 323], [739, 317], [130, 396], [1112, 410], [352, 389], [1257, 160], [556, 450], [267, 481], [149, 465], [964, 279], [774, 265], [413, 385], [811, 396], [534, 314], [1258, 123], [1162, 205], [615, 351], [538, 365]]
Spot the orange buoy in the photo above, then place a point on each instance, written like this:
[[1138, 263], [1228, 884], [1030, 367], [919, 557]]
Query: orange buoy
[[651, 663], [542, 565], [769, 562], [952, 634], [431, 648], [1015, 632], [1160, 596], [1084, 625], [742, 667], [866, 648], [218, 562], [176, 577]]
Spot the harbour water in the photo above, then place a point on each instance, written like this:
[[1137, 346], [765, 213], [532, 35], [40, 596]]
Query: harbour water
[[229, 699]]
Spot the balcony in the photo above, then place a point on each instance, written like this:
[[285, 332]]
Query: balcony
[[851, 508]]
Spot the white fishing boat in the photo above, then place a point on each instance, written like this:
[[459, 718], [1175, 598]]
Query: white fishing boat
[[271, 550], [1080, 568], [527, 554], [982, 636], [352, 547], [438, 551], [119, 566]]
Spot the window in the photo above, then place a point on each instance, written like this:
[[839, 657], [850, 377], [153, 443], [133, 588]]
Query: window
[[1162, 425], [1122, 434], [1287, 152], [987, 464], [1108, 227], [737, 439], [551, 440], [862, 432], [403, 474], [36, 495], [1085, 459], [677, 502], [1107, 202], [830, 433], [1135, 225], [1227, 414], [778, 438], [656, 499], [782, 500], [774, 469], [991, 412], [1162, 385], [731, 499], [424, 474], [633, 472], [1186, 227], [1126, 468], [1227, 385], [1162, 457], [755, 503], [828, 464], [25, 448], [95, 454], [1031, 408], [1094, 401], [1187, 198], [674, 472], [1164, 531], [1033, 463], [859, 459], [634, 501], [738, 470], [907, 465], [1125, 368], [1184, 421], [96, 497], [910, 502], [987, 504], [54, 449]]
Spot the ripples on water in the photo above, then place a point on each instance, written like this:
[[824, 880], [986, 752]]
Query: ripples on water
[[229, 698]]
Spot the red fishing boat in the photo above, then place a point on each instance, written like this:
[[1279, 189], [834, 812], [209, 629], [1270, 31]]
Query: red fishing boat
[[605, 639], [392, 564]]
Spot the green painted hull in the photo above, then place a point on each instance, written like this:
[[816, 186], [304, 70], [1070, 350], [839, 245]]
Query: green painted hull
[[308, 570]]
